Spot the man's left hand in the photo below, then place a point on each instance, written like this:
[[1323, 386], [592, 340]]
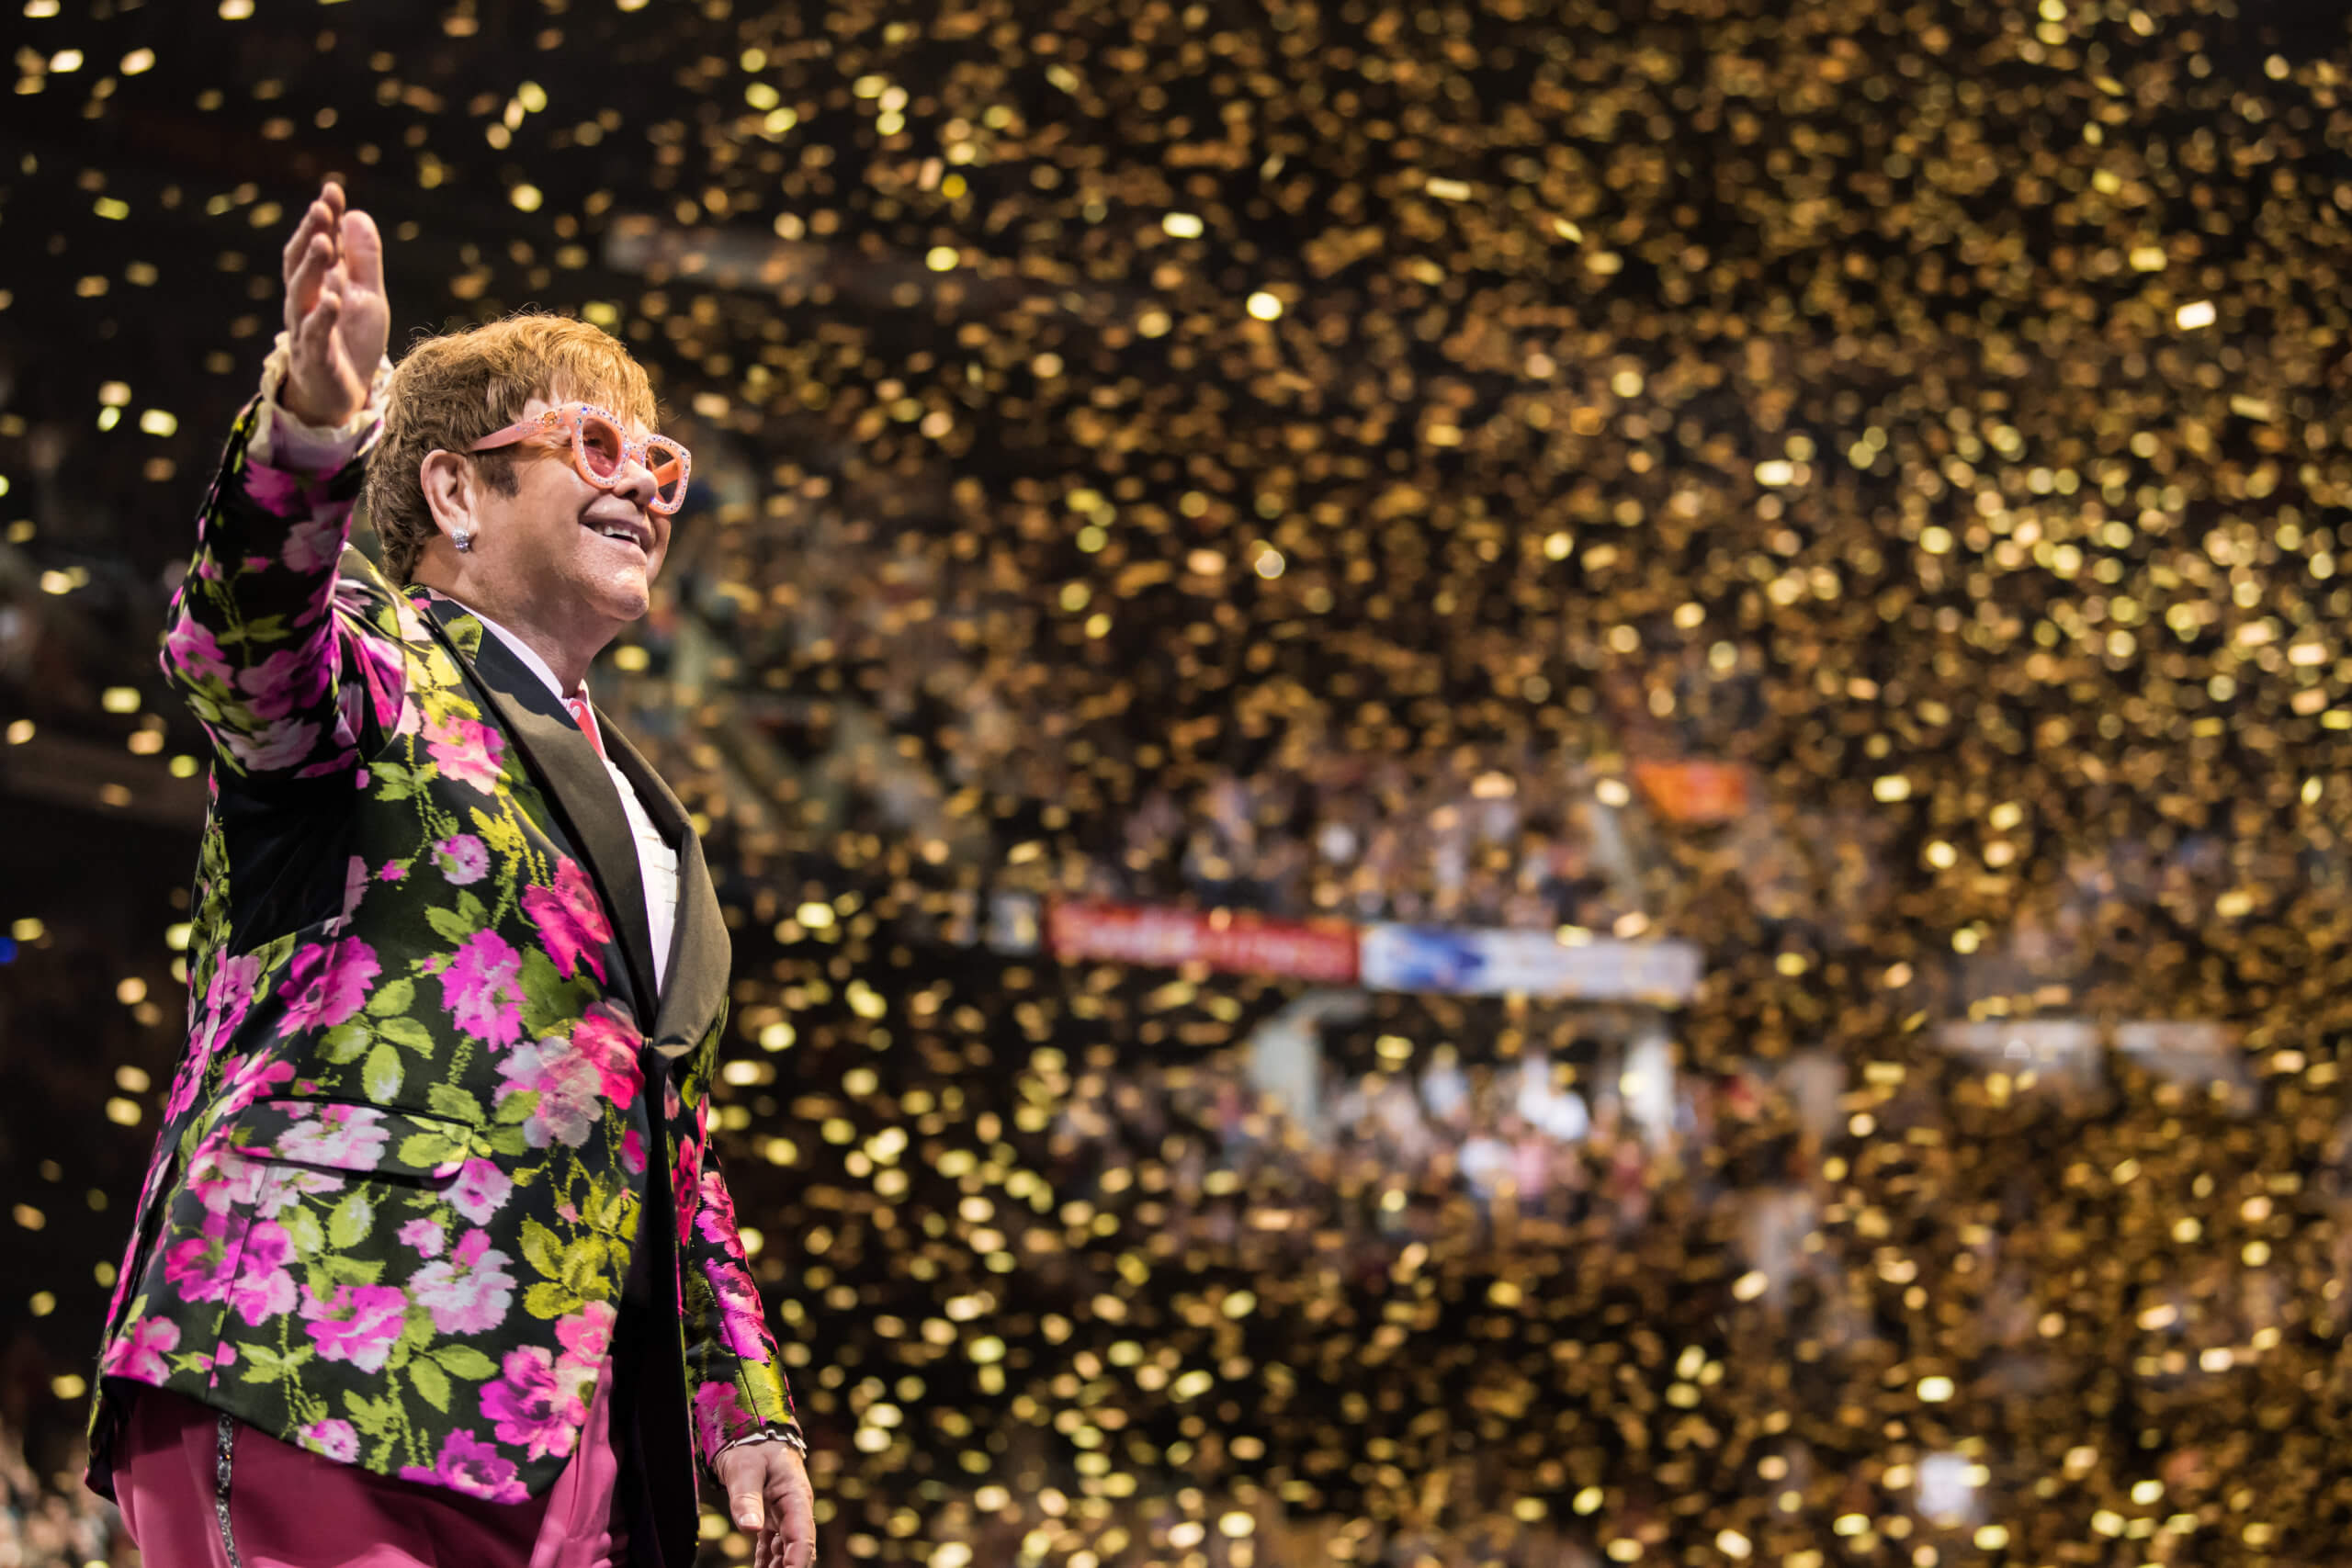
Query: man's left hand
[[768, 1496]]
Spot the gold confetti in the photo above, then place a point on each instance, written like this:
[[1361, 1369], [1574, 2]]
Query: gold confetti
[[1771, 483]]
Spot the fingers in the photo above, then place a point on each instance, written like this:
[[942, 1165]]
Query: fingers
[[304, 283], [768, 1499], [319, 220], [796, 1531], [363, 252], [315, 339], [316, 378], [319, 246], [314, 345], [298, 243], [796, 1512]]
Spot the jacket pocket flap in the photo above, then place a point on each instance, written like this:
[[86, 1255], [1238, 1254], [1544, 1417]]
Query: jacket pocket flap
[[334, 1134]]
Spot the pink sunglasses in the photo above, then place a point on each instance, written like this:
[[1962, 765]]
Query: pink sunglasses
[[601, 449]]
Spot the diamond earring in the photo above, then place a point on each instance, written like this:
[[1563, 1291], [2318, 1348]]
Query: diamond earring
[[463, 538]]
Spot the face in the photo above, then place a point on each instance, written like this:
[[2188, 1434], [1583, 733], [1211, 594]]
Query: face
[[563, 545]]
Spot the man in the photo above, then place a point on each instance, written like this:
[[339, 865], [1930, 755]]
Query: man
[[433, 1263]]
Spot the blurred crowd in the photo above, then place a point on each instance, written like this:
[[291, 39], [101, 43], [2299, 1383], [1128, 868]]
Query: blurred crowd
[[48, 1520], [1328, 460], [2109, 1310]]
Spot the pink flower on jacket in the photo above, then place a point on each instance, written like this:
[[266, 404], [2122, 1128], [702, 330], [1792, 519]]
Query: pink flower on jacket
[[191, 649], [359, 1324], [529, 1406], [587, 1336], [225, 1004], [608, 1041], [327, 984], [137, 1352], [426, 1235], [231, 993], [467, 751], [376, 667], [742, 1321], [467, 1464], [716, 1217], [288, 679], [481, 1190], [571, 920], [331, 1439], [202, 1268], [252, 1076], [570, 1090], [273, 748], [341, 1137], [283, 1188], [482, 988], [469, 1291], [719, 1416], [276, 490], [685, 1176], [463, 858], [264, 1287], [221, 1179], [312, 545]]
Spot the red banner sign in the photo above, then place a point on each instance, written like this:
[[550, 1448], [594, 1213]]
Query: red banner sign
[[1236, 943]]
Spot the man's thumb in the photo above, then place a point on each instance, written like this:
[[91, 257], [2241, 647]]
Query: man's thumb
[[747, 1510]]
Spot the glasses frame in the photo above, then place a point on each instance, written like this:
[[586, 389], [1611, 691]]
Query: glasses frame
[[568, 423]]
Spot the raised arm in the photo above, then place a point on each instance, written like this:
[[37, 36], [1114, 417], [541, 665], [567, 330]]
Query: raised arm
[[252, 639]]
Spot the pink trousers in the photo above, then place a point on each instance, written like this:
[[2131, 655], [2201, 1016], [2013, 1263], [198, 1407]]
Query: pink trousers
[[284, 1507]]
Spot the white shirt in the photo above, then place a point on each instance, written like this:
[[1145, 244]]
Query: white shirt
[[657, 863]]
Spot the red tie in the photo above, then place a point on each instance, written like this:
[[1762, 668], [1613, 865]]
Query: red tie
[[587, 722]]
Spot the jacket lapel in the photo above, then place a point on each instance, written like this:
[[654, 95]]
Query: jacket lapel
[[700, 956], [572, 776]]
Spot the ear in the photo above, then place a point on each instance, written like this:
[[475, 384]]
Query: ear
[[450, 490]]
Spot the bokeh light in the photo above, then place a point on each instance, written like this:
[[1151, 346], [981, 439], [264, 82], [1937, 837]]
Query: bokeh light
[[1857, 489]]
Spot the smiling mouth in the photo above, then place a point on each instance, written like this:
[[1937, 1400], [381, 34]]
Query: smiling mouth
[[620, 531]]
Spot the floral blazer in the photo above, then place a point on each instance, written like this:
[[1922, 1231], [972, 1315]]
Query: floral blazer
[[432, 1104]]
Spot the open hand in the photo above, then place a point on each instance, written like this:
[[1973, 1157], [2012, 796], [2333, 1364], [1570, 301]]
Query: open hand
[[768, 1496], [337, 316]]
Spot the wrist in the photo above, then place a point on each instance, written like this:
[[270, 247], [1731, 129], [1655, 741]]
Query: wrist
[[789, 1437], [300, 430], [319, 413]]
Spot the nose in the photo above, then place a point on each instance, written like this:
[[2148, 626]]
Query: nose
[[633, 481]]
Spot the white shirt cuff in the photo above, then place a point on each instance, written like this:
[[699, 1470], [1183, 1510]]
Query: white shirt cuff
[[799, 1444], [281, 441]]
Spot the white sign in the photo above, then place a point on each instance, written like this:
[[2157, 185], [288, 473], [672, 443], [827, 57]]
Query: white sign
[[1535, 963]]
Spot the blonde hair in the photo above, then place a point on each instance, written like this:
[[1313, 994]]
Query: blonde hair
[[453, 390]]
